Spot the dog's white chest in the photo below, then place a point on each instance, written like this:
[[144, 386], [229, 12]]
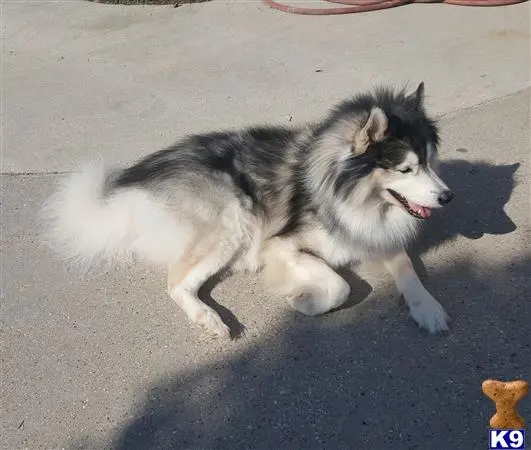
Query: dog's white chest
[[365, 239], [334, 251]]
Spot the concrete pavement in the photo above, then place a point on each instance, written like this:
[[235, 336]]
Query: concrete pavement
[[83, 79], [110, 362]]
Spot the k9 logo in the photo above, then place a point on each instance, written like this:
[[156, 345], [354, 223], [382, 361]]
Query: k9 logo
[[499, 439]]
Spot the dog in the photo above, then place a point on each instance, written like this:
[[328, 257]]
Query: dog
[[294, 204]]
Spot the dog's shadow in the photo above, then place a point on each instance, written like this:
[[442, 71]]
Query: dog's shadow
[[237, 329], [481, 192]]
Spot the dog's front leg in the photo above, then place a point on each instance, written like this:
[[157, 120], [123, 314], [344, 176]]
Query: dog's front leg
[[424, 309]]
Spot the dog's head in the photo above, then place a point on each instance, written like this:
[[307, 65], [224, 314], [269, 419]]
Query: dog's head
[[395, 143]]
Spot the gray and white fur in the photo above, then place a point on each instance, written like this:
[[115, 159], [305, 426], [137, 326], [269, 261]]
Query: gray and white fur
[[293, 203]]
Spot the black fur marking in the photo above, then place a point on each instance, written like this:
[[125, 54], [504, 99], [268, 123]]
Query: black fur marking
[[352, 170], [251, 158], [300, 204], [389, 154], [210, 153], [408, 126]]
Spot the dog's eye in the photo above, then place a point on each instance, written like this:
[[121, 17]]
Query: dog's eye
[[405, 170]]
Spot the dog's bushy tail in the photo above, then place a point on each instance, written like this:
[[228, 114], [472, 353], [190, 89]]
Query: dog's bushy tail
[[89, 222]]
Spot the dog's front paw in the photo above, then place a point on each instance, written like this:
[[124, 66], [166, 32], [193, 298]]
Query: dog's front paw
[[210, 321], [429, 314]]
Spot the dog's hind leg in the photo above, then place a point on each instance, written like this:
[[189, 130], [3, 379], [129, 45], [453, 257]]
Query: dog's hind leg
[[424, 309], [316, 287], [186, 277], [311, 286]]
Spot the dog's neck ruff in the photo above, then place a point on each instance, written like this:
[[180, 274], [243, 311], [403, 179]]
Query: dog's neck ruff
[[375, 227]]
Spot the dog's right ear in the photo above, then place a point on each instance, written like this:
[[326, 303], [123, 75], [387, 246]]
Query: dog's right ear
[[372, 131]]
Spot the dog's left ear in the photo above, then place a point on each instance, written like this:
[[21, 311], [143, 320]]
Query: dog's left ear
[[417, 97], [373, 131]]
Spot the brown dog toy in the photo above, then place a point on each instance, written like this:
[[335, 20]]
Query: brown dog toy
[[506, 395]]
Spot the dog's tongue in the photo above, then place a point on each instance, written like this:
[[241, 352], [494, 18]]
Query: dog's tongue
[[422, 211]]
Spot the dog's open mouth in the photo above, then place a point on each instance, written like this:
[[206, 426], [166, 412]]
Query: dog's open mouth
[[420, 212]]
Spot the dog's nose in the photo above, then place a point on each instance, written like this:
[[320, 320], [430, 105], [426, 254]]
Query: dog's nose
[[445, 197]]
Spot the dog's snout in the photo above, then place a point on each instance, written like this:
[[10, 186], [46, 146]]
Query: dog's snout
[[445, 197]]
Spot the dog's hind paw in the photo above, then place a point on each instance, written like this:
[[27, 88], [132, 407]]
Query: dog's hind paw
[[429, 314]]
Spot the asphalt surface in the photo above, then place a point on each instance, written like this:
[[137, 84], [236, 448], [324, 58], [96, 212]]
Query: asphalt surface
[[110, 362]]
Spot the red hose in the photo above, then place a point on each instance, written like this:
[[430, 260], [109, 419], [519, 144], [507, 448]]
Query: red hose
[[371, 5]]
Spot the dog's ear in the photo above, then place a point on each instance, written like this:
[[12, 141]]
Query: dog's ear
[[372, 131], [417, 97]]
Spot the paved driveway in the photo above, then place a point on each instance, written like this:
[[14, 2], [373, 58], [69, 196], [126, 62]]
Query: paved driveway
[[110, 362]]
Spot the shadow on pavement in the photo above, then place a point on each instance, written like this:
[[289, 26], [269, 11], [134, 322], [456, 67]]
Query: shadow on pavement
[[481, 192], [375, 386]]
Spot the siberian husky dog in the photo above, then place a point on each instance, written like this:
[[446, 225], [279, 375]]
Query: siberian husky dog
[[292, 203]]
